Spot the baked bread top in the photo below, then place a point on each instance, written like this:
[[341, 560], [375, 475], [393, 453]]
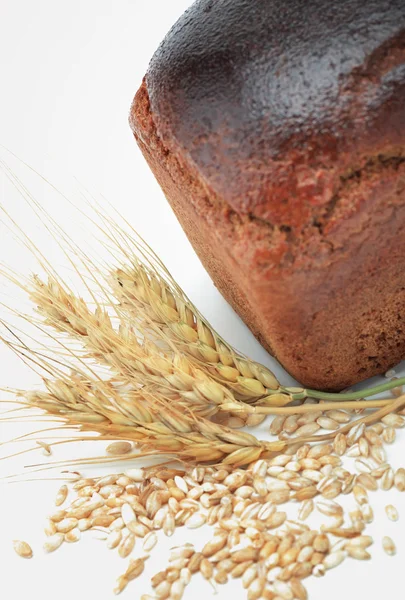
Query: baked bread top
[[279, 105]]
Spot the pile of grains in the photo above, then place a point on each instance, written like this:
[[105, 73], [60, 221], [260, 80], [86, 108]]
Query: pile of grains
[[253, 538]]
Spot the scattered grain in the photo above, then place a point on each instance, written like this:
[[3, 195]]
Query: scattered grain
[[334, 559], [328, 423], [393, 420], [276, 426], [389, 435], [307, 430], [73, 536], [54, 542], [114, 539], [392, 512], [127, 545], [22, 549], [119, 448], [389, 546], [149, 541], [399, 480], [306, 509], [387, 480]]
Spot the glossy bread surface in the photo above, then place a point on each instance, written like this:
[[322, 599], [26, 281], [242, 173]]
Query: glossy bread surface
[[274, 101]]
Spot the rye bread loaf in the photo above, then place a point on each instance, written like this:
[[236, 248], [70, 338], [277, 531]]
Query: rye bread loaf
[[277, 132]]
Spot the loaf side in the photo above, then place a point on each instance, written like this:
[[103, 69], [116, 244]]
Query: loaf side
[[279, 141]]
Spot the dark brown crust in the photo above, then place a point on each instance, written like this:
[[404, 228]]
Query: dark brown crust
[[319, 279]]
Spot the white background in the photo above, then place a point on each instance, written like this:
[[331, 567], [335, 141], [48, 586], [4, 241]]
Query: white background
[[69, 71]]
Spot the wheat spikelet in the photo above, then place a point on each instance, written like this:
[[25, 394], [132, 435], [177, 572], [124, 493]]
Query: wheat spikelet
[[142, 292]]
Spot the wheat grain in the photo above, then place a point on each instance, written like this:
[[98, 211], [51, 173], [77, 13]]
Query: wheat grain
[[334, 559], [127, 513], [372, 437], [256, 588], [360, 494], [362, 465], [353, 451], [135, 568], [283, 590], [306, 509], [54, 542], [163, 590], [378, 454], [392, 512], [118, 522], [327, 423], [127, 545], [50, 528], [358, 553], [389, 546], [149, 541], [122, 583], [277, 425], [158, 578], [367, 481], [307, 430], [57, 516], [399, 480], [119, 448], [84, 524], [61, 495], [298, 590], [177, 589], [367, 513], [66, 525], [22, 549], [73, 535], [389, 435], [393, 420], [114, 539], [387, 480]]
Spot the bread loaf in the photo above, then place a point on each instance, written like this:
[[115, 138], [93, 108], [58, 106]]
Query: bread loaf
[[277, 132]]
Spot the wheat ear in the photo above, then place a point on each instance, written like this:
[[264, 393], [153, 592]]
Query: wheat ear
[[153, 423], [143, 293], [137, 361]]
